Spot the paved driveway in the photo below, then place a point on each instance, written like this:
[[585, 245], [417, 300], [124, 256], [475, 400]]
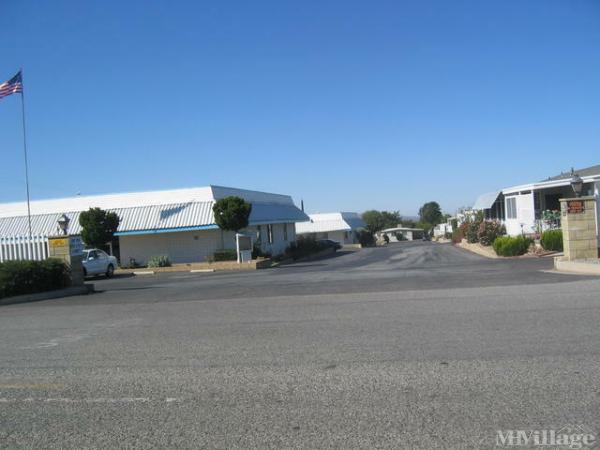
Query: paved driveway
[[412, 346], [398, 267]]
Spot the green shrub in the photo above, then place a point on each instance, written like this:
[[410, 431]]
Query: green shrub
[[225, 255], [257, 252], [304, 246], [400, 236], [489, 230], [29, 277], [457, 234], [512, 246], [159, 261], [365, 238], [471, 231], [552, 240]]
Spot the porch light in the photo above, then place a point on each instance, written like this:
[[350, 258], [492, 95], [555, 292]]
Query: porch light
[[576, 184], [63, 224]]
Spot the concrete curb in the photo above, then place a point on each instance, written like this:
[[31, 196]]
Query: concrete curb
[[199, 267], [578, 267], [474, 248], [58, 293]]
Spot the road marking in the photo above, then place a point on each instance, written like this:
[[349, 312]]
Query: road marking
[[57, 341], [92, 331], [32, 386], [144, 272], [202, 270], [89, 400]]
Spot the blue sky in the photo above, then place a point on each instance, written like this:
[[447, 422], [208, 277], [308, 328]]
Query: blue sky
[[348, 105]]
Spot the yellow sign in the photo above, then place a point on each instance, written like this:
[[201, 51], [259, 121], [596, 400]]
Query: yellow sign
[[58, 243]]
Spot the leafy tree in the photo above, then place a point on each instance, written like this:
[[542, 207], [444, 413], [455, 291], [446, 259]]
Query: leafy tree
[[232, 213], [391, 219], [378, 220], [427, 227], [98, 226], [373, 221], [431, 213]]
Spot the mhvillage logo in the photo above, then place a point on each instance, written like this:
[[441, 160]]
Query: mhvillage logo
[[569, 437]]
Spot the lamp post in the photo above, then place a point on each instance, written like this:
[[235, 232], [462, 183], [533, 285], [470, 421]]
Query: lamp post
[[63, 224], [576, 184]]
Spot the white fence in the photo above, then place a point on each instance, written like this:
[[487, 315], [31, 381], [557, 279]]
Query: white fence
[[23, 247]]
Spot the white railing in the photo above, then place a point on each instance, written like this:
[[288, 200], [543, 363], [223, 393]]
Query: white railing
[[23, 248]]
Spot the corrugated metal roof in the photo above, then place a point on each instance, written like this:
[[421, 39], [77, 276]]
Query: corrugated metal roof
[[275, 213], [136, 199], [152, 218], [485, 201], [322, 223], [586, 172]]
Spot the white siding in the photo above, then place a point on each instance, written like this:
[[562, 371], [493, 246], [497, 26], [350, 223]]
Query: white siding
[[597, 194], [279, 243], [525, 215], [182, 247], [196, 246], [337, 236]]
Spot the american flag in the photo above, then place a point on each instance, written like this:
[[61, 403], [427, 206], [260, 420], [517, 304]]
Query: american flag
[[12, 86]]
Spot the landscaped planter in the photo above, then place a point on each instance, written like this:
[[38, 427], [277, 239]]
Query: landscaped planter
[[255, 264]]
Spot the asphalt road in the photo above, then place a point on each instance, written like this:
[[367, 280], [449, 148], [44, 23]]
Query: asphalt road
[[411, 346]]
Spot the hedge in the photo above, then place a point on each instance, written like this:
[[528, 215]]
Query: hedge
[[552, 240], [365, 238], [225, 255], [304, 246], [29, 277], [512, 246], [489, 231]]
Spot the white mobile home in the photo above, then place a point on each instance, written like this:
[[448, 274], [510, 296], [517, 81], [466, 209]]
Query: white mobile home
[[401, 233], [521, 208], [339, 226], [177, 223]]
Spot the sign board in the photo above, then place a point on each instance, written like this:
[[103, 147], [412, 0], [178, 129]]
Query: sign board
[[76, 245], [244, 247], [245, 243], [54, 243], [575, 207]]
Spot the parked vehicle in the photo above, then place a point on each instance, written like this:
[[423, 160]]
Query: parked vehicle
[[97, 262], [329, 243]]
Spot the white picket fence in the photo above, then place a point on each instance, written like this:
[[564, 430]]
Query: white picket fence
[[23, 248]]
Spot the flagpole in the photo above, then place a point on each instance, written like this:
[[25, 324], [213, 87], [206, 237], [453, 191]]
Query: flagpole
[[25, 155]]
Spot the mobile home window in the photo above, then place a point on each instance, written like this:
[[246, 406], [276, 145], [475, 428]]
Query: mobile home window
[[258, 235], [511, 208], [270, 233], [285, 236]]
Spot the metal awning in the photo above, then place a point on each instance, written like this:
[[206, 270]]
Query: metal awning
[[486, 201]]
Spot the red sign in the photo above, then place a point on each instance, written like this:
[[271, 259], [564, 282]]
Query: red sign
[[575, 207]]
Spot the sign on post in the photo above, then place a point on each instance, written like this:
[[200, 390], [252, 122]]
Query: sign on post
[[76, 245], [575, 207], [244, 247]]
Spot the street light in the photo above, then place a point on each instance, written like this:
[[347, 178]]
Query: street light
[[63, 224], [576, 184]]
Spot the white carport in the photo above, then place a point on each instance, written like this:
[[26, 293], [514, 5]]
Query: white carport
[[339, 226], [409, 234]]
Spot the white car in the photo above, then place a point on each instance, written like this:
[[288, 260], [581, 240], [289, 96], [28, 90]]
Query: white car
[[97, 262]]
